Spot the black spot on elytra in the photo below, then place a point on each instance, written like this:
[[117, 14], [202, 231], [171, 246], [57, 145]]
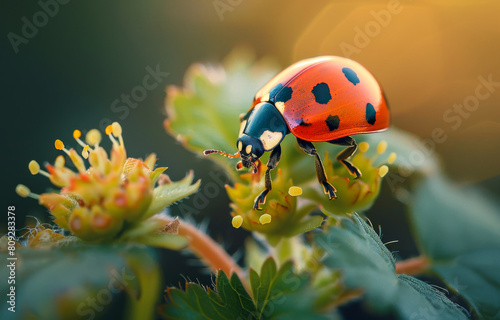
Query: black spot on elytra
[[321, 93], [304, 124], [370, 114], [284, 95], [332, 122], [351, 75], [275, 90]]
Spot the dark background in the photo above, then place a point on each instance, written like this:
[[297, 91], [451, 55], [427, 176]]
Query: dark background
[[428, 58]]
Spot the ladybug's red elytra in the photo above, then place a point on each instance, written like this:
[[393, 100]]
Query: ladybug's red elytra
[[322, 99]]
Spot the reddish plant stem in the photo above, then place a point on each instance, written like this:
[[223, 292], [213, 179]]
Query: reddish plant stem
[[212, 254], [412, 266], [346, 297]]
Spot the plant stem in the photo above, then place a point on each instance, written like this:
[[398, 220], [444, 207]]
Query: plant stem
[[412, 266], [346, 297], [284, 251], [209, 251]]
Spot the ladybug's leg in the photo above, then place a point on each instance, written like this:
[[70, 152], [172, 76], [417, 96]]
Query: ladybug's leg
[[346, 153], [274, 158], [309, 148]]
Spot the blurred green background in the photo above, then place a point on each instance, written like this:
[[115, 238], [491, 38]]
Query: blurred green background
[[428, 56]]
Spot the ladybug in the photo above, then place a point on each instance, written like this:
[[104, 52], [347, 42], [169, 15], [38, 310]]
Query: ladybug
[[321, 99]]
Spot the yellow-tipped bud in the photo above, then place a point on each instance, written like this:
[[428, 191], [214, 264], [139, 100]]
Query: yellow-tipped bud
[[23, 190], [77, 134], [109, 130], [363, 146], [85, 151], [392, 158], [34, 167], [59, 144], [382, 146], [117, 129], [295, 191], [93, 137], [60, 162], [265, 218], [237, 221], [382, 171]]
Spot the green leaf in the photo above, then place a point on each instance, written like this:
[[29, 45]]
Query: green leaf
[[306, 225], [459, 230], [282, 294], [169, 193], [277, 294], [231, 301], [356, 250], [81, 281]]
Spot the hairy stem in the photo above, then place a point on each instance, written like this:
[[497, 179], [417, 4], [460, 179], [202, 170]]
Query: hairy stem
[[412, 266], [209, 251]]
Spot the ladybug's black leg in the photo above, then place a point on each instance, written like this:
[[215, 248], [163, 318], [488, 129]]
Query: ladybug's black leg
[[309, 148], [274, 158], [352, 146]]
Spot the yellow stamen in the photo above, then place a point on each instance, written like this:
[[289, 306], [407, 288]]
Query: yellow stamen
[[295, 191], [60, 161], [35, 169], [25, 192], [363, 146], [382, 146], [93, 137], [392, 158], [59, 144], [265, 218], [77, 134], [109, 130], [382, 171], [117, 132], [237, 221], [85, 151], [117, 129]]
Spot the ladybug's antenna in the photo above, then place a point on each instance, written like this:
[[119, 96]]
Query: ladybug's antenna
[[210, 151], [255, 168]]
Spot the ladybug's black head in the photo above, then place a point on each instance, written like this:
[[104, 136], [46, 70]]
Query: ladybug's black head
[[261, 129], [250, 149]]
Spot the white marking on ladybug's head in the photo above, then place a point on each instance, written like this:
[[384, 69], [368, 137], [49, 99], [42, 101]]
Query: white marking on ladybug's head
[[270, 139], [242, 127], [248, 149], [240, 146], [280, 105], [265, 97]]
